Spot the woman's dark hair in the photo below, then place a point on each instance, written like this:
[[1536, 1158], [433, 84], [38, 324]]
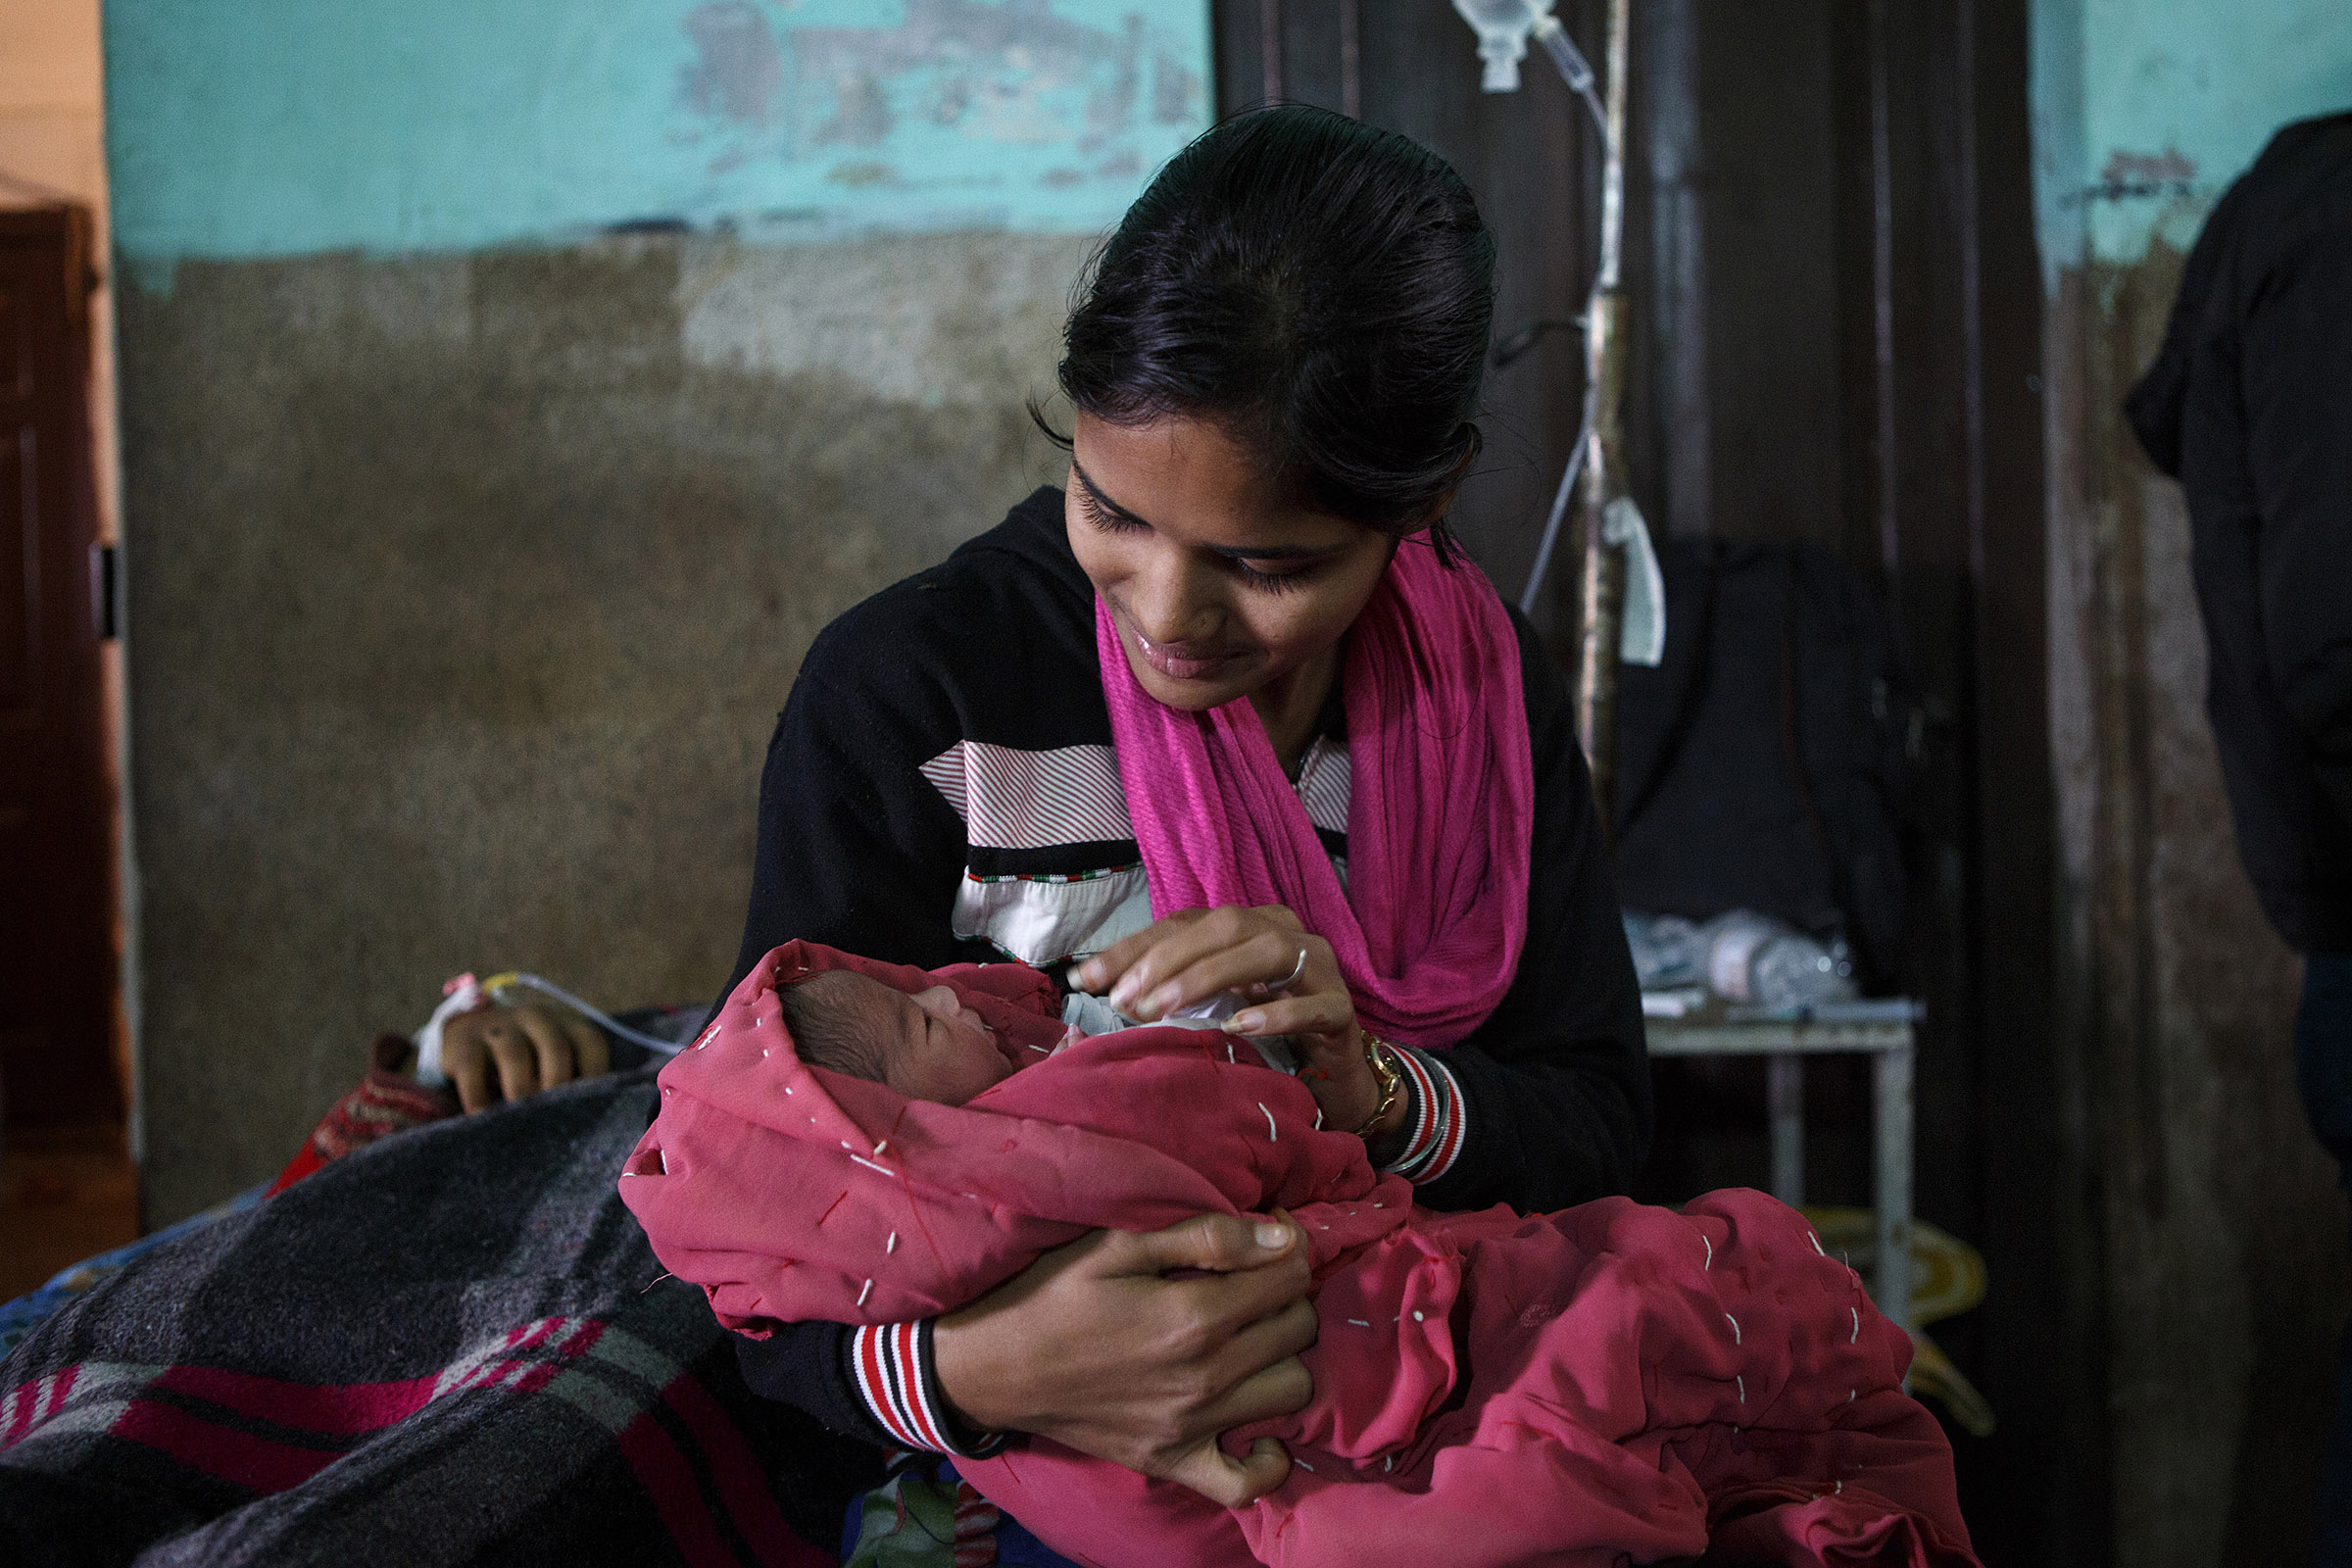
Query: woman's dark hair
[[1321, 289]]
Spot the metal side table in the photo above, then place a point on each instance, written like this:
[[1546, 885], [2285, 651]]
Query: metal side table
[[1882, 1030]]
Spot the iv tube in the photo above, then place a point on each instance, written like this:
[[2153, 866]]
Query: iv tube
[[1503, 27], [604, 1020]]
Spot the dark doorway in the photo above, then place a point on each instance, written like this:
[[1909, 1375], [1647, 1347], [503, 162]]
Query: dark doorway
[[1836, 337], [57, 872]]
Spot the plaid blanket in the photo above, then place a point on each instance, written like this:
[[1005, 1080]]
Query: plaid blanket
[[453, 1347]]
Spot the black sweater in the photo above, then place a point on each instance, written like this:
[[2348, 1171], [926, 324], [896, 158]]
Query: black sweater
[[2249, 405], [987, 662]]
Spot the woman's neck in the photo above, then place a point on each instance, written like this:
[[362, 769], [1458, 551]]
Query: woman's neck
[[1290, 706]]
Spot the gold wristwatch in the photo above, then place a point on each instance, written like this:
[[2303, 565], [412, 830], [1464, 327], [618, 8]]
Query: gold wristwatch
[[1380, 1056]]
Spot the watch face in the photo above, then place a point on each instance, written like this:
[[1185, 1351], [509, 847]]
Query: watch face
[[1380, 1056]]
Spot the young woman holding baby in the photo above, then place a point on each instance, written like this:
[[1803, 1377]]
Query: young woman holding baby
[[1226, 712]]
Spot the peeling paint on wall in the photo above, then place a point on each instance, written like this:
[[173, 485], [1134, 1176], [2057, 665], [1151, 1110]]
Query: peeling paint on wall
[[2146, 110], [250, 129], [955, 102]]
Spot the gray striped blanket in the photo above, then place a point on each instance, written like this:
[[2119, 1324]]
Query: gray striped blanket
[[452, 1347]]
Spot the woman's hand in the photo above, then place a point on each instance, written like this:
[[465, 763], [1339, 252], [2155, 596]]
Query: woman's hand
[[529, 1049], [1092, 1347], [1289, 973]]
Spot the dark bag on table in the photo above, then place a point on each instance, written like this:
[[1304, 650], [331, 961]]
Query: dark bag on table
[[1766, 762]]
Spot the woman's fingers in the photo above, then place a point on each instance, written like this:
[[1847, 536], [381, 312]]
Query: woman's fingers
[[1263, 958], [1195, 953], [1105, 970], [1267, 1343], [1215, 1310], [1321, 1012], [1215, 1244], [1283, 1388], [1134, 962], [1228, 1481], [1130, 968]]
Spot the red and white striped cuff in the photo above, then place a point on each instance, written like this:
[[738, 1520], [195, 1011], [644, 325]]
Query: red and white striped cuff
[[1438, 1118], [900, 1384]]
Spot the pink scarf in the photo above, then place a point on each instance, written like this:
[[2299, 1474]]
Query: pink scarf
[[1439, 812]]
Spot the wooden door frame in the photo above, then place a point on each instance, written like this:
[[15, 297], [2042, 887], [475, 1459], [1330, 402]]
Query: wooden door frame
[[84, 1086]]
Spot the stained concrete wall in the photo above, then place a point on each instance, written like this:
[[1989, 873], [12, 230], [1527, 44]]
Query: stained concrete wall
[[510, 394], [2208, 1248], [464, 593]]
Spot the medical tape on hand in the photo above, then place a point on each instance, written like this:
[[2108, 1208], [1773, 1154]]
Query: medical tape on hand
[[459, 996]]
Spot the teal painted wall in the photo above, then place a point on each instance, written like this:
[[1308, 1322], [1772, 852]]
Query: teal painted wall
[[471, 547], [246, 128], [2146, 110]]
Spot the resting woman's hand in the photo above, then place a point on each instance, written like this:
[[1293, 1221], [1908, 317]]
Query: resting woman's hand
[[496, 1054], [1092, 1347], [1292, 975]]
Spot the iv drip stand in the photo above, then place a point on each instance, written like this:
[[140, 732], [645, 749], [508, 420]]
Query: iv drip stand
[[1600, 584]]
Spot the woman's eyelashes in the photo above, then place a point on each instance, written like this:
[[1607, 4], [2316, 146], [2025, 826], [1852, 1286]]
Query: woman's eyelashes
[[1102, 518], [1274, 582]]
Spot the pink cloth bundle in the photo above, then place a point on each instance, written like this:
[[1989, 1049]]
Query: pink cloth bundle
[[1607, 1384], [1441, 803]]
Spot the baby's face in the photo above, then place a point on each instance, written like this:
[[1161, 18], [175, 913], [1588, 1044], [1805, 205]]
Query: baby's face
[[935, 1048]]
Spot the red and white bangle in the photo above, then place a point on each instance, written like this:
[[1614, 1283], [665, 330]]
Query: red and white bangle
[[898, 1381], [1436, 1118]]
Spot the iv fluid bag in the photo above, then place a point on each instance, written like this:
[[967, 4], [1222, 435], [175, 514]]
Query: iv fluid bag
[[1502, 29]]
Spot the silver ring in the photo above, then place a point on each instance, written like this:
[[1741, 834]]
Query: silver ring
[[1297, 969]]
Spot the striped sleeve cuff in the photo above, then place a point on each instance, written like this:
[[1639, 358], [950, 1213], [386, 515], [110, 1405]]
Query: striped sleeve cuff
[[898, 1381], [1438, 1116]]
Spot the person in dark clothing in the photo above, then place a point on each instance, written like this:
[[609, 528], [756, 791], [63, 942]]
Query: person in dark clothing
[[2249, 406], [1275, 367]]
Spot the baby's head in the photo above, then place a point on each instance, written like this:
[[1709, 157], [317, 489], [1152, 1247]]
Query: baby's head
[[927, 1046]]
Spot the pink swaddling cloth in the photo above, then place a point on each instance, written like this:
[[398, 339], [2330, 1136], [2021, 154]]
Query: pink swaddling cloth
[[1607, 1383]]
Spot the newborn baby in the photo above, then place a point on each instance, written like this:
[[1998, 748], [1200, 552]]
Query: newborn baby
[[926, 1045], [867, 1143]]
